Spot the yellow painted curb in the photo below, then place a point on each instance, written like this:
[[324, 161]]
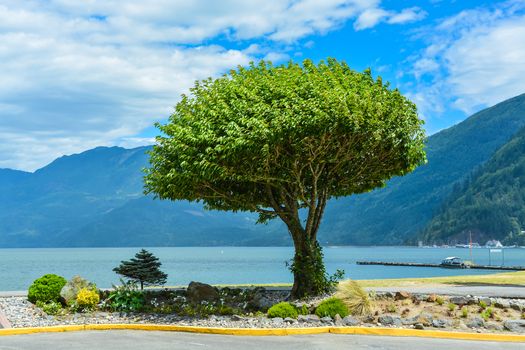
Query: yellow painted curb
[[393, 332]]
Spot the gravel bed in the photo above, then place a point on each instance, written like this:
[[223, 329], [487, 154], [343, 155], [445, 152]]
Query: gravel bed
[[21, 313]]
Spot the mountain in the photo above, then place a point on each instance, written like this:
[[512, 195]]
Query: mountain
[[95, 198], [490, 204], [394, 214]]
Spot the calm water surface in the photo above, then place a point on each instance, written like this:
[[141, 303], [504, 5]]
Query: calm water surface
[[19, 267]]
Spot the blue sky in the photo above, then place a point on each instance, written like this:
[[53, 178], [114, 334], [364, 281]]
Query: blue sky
[[80, 74]]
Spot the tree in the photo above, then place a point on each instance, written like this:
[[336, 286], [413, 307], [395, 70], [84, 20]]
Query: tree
[[281, 141], [143, 268]]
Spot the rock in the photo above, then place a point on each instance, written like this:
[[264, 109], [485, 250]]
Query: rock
[[517, 326], [277, 320], [438, 323], [73, 286], [260, 301], [326, 319], [515, 305], [485, 300], [367, 319], [198, 292], [493, 326], [388, 320], [459, 300], [289, 320], [420, 297], [476, 322], [308, 318], [402, 295], [237, 318], [419, 326], [409, 321], [338, 321], [501, 303], [432, 298], [425, 318], [351, 321]]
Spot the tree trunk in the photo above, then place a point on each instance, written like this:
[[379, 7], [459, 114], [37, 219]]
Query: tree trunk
[[307, 267]]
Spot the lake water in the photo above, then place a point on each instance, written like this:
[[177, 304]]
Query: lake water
[[230, 265]]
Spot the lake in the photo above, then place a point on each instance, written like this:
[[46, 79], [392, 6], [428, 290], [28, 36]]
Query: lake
[[230, 265]]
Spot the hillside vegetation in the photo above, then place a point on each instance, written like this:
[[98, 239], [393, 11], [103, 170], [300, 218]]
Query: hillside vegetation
[[490, 204]]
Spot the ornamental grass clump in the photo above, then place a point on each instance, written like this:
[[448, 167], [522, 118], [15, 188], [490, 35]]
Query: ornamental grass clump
[[331, 307], [46, 289], [283, 310], [354, 297]]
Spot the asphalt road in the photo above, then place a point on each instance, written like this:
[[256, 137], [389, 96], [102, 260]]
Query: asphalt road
[[142, 340]]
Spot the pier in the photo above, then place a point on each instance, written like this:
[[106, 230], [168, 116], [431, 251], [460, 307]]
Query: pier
[[481, 267]]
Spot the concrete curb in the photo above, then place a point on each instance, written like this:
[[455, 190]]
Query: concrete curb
[[393, 332]]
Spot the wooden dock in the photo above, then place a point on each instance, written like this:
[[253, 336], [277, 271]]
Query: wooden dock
[[481, 267]]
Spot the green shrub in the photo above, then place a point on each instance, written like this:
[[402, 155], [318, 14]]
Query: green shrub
[[464, 312], [440, 300], [50, 308], [451, 307], [331, 307], [283, 310], [303, 310], [46, 289], [482, 304], [391, 308], [126, 297], [487, 313]]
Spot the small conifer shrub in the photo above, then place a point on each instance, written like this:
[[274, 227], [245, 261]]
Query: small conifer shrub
[[143, 268]]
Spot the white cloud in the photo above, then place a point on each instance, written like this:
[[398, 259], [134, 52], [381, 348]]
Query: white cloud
[[474, 59], [79, 74], [373, 16]]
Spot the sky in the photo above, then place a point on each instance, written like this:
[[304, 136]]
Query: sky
[[77, 74]]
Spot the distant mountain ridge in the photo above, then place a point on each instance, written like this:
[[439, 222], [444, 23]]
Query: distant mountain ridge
[[95, 198], [488, 205]]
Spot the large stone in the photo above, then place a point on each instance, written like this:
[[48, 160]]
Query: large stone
[[515, 305], [485, 300], [73, 286], [259, 300], [476, 322], [350, 321], [198, 292], [493, 326], [517, 326], [277, 320], [439, 323], [402, 295], [338, 321], [308, 318], [459, 300], [501, 303], [326, 319], [388, 320]]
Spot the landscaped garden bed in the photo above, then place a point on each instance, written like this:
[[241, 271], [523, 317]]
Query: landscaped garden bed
[[204, 305]]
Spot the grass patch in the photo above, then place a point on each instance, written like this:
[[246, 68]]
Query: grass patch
[[506, 278]]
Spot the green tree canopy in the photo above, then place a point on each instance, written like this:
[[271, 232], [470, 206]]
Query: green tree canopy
[[277, 139], [143, 268]]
